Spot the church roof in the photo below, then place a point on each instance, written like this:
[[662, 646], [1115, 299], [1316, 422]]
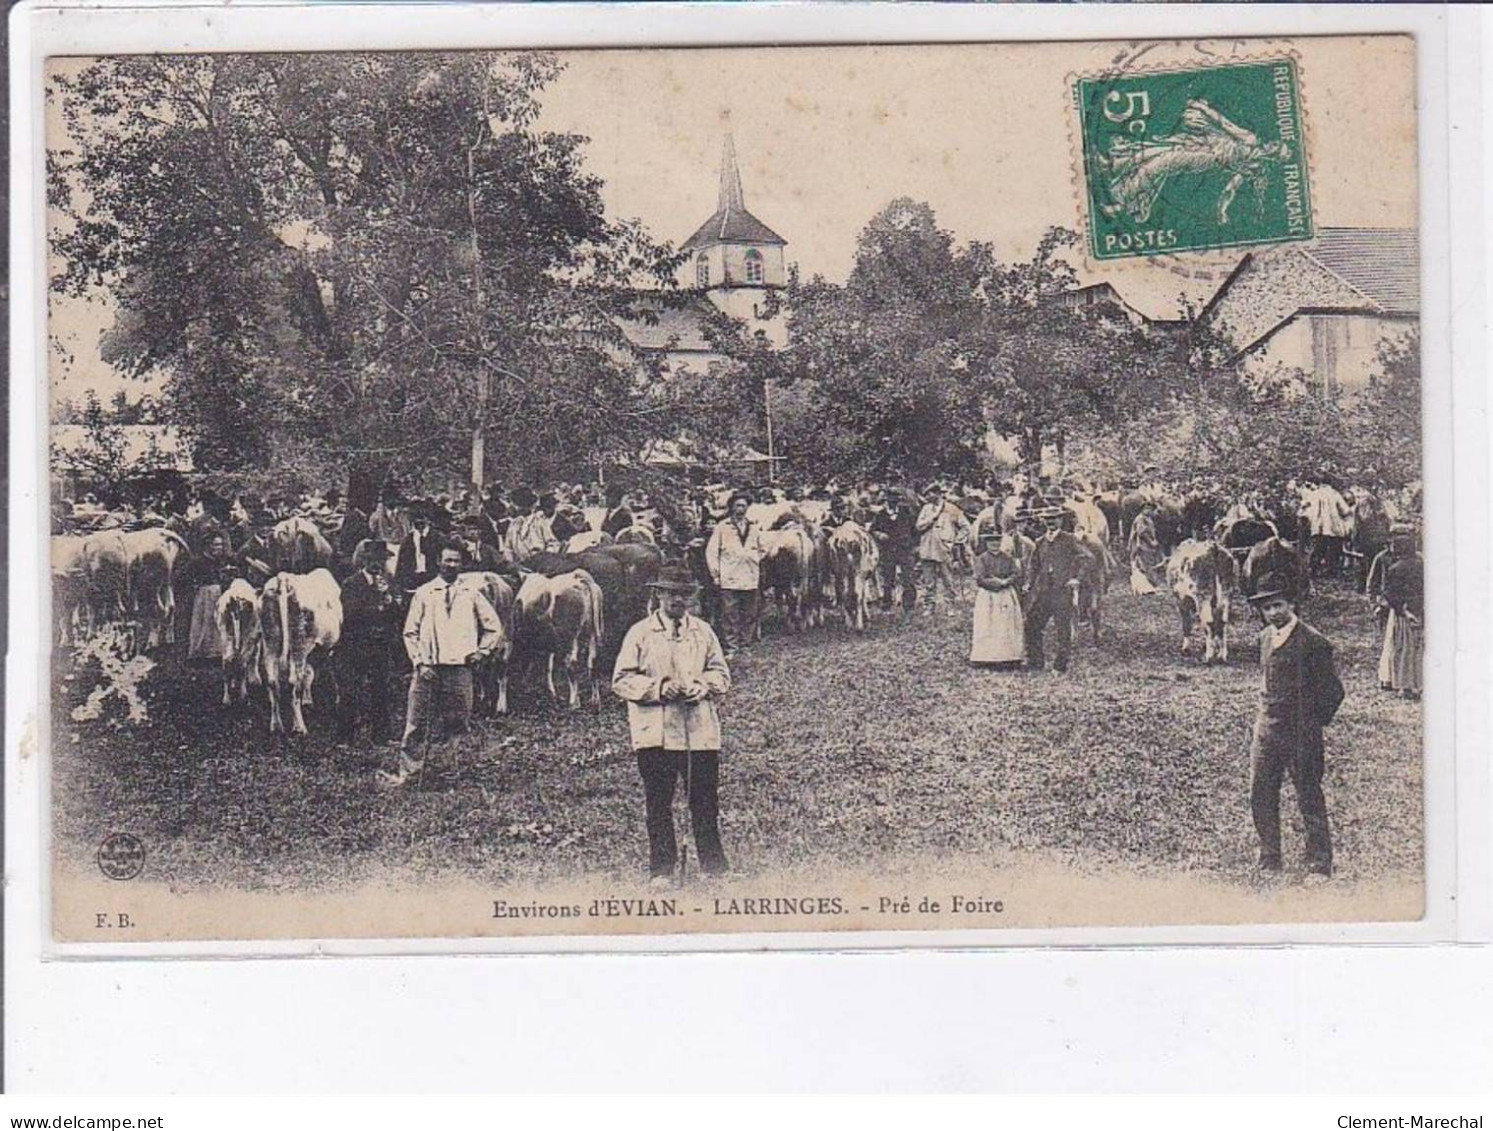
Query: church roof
[[1380, 263], [731, 223], [732, 227], [675, 328]]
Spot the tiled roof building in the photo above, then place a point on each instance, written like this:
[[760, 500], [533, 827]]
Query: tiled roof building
[[1324, 308]]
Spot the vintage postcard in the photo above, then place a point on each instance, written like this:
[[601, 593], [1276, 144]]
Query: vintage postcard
[[836, 492]]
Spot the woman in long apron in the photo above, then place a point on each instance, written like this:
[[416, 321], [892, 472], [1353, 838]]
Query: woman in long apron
[[204, 643], [999, 636], [1403, 592]]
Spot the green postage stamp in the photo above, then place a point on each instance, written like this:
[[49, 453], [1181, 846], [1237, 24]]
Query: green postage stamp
[[1189, 160]]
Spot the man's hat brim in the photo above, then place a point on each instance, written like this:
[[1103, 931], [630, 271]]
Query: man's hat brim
[[1259, 597], [671, 586]]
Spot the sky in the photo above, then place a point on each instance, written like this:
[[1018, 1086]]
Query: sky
[[986, 134]]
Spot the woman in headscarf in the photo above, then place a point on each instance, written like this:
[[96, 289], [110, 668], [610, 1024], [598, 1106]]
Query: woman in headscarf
[[999, 637]]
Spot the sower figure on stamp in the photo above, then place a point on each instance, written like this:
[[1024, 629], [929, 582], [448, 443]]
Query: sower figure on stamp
[[1299, 695], [671, 670], [449, 628]]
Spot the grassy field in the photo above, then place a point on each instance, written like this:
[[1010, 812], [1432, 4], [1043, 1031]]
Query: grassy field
[[841, 750]]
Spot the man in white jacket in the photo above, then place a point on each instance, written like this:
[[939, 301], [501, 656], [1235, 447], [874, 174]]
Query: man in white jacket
[[450, 628], [734, 558], [670, 670]]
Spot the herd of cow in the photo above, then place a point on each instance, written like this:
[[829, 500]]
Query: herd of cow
[[568, 608]]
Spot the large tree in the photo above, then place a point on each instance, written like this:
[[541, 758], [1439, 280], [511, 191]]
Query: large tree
[[1049, 371], [880, 359], [930, 347], [380, 259]]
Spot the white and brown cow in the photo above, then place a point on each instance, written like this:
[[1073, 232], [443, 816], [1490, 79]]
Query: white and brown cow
[[491, 677], [106, 561], [299, 613], [853, 562], [639, 533], [70, 605], [563, 617], [299, 546], [1097, 569], [790, 557], [152, 555], [1201, 574], [237, 614]]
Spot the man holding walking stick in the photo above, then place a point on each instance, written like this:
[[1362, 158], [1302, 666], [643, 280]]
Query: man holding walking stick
[[671, 670]]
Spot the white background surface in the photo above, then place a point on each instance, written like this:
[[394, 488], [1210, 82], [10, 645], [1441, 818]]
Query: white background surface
[[1312, 1018]]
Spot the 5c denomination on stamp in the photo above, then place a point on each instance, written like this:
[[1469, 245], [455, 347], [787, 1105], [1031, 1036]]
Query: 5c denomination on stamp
[[1196, 159]]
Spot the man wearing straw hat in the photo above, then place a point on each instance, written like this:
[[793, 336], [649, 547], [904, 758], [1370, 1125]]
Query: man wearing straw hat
[[1299, 695], [671, 670]]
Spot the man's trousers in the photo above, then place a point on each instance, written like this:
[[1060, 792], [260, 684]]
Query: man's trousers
[[891, 568], [1055, 605], [445, 691], [701, 770], [738, 617], [363, 682], [1282, 750]]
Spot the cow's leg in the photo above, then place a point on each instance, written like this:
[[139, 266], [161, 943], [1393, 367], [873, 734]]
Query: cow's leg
[[308, 677], [591, 651], [1205, 619], [228, 682], [1184, 606], [1223, 630], [503, 663], [300, 684], [272, 692], [572, 662], [1096, 615], [550, 677]]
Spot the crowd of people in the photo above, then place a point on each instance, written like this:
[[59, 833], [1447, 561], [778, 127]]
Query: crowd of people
[[1016, 557]]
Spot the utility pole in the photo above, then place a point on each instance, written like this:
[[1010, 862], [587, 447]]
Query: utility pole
[[772, 462], [484, 378]]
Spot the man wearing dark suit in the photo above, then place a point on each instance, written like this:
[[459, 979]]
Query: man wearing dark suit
[[619, 515], [895, 528], [1056, 567], [365, 651], [1300, 694], [419, 554]]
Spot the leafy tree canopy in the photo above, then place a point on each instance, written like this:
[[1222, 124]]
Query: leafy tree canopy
[[368, 256]]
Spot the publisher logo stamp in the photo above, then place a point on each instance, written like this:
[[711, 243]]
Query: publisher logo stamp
[[121, 856], [1197, 159]]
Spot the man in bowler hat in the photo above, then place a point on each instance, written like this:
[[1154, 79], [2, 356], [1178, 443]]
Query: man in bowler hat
[[671, 671], [1299, 695]]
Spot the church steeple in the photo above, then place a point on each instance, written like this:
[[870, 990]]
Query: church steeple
[[732, 223], [730, 199]]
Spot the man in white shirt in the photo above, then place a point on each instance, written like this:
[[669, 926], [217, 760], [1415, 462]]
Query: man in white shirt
[[670, 670], [734, 558], [530, 532], [940, 526], [449, 628]]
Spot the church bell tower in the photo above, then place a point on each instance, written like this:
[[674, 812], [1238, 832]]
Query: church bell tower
[[734, 258]]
